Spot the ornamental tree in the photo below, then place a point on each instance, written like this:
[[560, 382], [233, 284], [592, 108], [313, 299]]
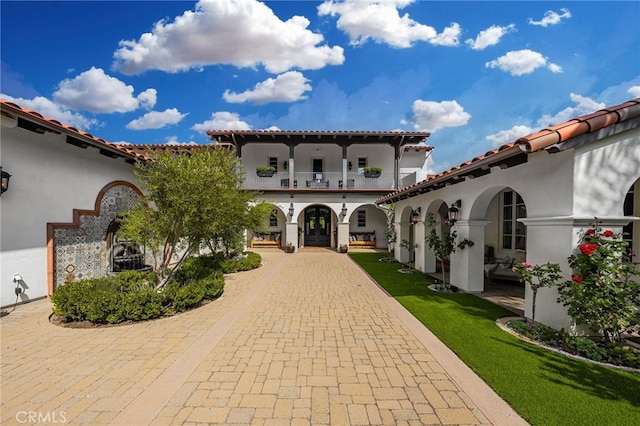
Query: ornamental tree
[[602, 293], [190, 199], [537, 276], [443, 246]]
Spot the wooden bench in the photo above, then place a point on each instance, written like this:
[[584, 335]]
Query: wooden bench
[[272, 239], [362, 239]]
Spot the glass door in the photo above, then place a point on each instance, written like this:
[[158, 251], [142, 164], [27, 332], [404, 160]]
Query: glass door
[[317, 225]]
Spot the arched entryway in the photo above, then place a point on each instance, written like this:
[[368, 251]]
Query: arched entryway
[[317, 226]]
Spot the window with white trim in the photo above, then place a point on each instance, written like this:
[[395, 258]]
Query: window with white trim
[[627, 230], [273, 218], [514, 233], [273, 162], [362, 218], [362, 163]]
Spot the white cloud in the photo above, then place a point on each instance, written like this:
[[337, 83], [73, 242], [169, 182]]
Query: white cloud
[[430, 116], [551, 18], [222, 120], [450, 36], [97, 92], [381, 21], [489, 37], [583, 106], [244, 33], [520, 62], [287, 87], [506, 136], [156, 119], [173, 140], [148, 98], [634, 91], [52, 110]]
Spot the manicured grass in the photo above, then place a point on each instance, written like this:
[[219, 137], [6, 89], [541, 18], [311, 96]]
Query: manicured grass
[[544, 387]]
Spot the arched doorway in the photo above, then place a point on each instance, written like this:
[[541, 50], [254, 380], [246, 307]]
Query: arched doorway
[[317, 226]]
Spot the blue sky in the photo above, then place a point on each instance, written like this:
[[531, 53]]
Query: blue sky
[[475, 74]]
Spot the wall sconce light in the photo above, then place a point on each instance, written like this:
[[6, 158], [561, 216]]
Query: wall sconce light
[[344, 210], [454, 211], [415, 216], [350, 166], [285, 164], [5, 181], [291, 210]]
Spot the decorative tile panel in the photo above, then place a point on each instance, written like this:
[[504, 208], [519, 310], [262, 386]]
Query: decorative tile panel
[[81, 252]]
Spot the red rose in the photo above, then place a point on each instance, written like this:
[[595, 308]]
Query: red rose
[[587, 249], [576, 279], [591, 231], [608, 233]]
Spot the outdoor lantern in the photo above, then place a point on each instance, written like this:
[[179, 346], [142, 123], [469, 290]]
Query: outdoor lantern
[[285, 164], [291, 210], [344, 210], [454, 211], [5, 181], [415, 216], [350, 165]]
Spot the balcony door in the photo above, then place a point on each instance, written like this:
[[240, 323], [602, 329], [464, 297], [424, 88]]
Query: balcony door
[[317, 225], [318, 169]]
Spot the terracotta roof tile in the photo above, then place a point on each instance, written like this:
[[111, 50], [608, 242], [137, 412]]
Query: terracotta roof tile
[[58, 126]]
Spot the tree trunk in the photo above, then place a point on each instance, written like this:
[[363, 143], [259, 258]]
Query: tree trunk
[[444, 280], [533, 306]]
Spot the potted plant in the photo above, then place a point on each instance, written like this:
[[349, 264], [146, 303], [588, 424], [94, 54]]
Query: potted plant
[[343, 248], [290, 248], [372, 172], [265, 171]]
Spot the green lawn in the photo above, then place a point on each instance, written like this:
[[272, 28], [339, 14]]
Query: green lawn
[[544, 387]]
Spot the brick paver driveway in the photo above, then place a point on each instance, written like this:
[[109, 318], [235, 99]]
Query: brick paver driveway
[[306, 339]]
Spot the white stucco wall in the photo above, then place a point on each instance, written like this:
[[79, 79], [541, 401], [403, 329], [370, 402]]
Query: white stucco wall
[[49, 179]]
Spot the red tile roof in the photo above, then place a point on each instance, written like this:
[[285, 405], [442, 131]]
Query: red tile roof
[[14, 110], [395, 138], [511, 153]]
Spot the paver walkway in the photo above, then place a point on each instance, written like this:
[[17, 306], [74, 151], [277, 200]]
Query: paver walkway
[[306, 339]]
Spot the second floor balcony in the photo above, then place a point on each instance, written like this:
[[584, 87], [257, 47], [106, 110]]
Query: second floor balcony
[[327, 180]]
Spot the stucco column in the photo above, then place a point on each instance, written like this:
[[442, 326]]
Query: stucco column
[[467, 265], [393, 246], [292, 167], [402, 254], [292, 234], [345, 166], [343, 233], [418, 233]]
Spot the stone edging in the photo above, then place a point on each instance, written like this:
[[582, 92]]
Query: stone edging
[[502, 323]]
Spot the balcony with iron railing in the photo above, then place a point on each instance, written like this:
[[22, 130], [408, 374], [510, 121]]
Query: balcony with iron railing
[[326, 180]]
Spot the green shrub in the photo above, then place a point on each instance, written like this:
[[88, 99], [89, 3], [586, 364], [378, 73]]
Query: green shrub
[[179, 297], [251, 261], [112, 300], [589, 349], [213, 285], [131, 295], [623, 355], [196, 267]]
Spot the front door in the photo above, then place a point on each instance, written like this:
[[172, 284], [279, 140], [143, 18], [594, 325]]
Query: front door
[[317, 225]]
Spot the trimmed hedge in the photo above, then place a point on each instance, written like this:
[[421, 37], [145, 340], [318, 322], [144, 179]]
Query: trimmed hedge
[[237, 263], [131, 295]]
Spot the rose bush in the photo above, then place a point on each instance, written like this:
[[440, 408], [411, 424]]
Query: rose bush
[[602, 293]]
